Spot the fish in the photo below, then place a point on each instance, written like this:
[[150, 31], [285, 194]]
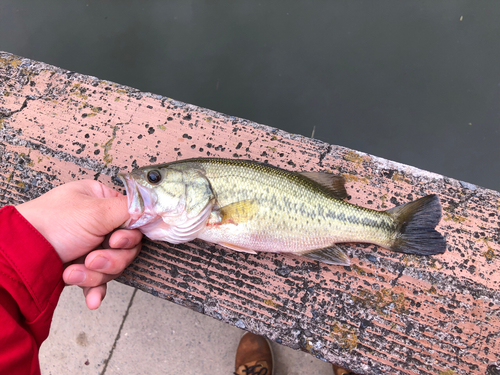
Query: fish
[[251, 207]]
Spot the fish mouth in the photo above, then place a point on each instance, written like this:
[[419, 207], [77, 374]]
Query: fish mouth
[[139, 201]]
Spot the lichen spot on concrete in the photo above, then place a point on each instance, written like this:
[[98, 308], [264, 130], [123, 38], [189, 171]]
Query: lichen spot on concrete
[[108, 158], [344, 336], [351, 178], [382, 301], [10, 61], [400, 177], [270, 302], [356, 158], [455, 218], [490, 253]]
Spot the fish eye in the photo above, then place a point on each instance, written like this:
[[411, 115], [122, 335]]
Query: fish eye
[[154, 176]]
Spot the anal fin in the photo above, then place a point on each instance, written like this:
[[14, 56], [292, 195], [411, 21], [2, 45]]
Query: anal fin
[[237, 248], [329, 255]]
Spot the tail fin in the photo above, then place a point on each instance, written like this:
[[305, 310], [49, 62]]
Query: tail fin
[[415, 222]]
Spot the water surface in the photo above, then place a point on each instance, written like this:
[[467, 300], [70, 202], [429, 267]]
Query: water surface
[[411, 81]]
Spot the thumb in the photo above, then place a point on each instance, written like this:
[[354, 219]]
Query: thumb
[[113, 211]]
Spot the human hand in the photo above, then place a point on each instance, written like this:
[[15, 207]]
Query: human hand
[[77, 219]]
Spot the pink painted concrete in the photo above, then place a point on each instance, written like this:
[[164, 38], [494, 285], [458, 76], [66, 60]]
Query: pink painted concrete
[[387, 313]]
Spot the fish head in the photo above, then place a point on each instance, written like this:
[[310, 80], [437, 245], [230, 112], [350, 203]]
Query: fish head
[[168, 202], [153, 192]]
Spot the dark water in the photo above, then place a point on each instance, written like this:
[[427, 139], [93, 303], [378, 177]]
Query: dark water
[[412, 81]]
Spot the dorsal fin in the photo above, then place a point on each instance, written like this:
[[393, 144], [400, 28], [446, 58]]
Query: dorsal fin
[[333, 183]]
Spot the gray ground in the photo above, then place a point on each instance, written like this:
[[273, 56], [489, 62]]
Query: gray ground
[[142, 334]]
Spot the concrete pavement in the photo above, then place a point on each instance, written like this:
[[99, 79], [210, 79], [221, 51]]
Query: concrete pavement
[[136, 333]]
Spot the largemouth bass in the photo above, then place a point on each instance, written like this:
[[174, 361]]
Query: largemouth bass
[[250, 206]]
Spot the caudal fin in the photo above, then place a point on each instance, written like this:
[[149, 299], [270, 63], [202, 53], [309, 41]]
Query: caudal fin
[[416, 222]]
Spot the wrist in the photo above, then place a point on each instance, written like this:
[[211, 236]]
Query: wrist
[[40, 223]]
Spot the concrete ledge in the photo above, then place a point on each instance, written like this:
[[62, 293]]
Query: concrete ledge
[[387, 313]]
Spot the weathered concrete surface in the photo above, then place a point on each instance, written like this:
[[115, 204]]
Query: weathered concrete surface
[[137, 333], [80, 340], [387, 313], [159, 337]]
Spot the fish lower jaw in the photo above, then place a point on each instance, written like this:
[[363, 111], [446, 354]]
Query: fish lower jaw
[[140, 220]]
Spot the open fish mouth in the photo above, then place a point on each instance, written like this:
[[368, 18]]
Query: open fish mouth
[[140, 202]]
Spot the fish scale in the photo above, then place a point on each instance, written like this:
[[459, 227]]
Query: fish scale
[[279, 226]]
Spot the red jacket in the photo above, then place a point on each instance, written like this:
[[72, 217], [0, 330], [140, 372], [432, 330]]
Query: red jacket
[[30, 286]]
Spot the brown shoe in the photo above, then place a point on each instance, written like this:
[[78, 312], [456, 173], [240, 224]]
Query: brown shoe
[[253, 356], [341, 371]]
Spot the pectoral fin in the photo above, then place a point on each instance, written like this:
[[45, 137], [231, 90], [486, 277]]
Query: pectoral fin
[[239, 212], [333, 183], [329, 255]]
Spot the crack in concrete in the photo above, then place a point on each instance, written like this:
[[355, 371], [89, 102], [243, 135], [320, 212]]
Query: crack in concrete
[[84, 162], [208, 296], [4, 115], [106, 362], [323, 155]]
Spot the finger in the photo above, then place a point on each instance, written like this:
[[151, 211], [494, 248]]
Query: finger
[[78, 274], [93, 188], [79, 260], [105, 242], [125, 238], [103, 191], [111, 261], [113, 211], [94, 296], [111, 204]]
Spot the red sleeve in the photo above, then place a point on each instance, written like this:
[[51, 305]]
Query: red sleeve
[[30, 286]]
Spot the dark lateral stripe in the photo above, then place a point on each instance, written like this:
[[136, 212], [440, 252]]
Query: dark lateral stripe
[[381, 222]]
